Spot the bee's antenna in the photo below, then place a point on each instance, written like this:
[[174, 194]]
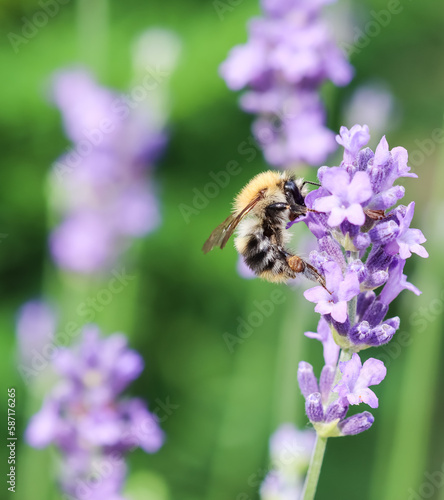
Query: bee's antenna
[[312, 183]]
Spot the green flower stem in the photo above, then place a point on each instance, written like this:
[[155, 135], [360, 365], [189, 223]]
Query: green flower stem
[[314, 469]]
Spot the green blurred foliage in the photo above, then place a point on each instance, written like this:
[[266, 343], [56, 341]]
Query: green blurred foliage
[[226, 404]]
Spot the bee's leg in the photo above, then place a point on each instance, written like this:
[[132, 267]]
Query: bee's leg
[[299, 265], [375, 214], [297, 211], [273, 208]]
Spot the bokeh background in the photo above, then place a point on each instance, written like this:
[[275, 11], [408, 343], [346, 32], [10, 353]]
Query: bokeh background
[[225, 402]]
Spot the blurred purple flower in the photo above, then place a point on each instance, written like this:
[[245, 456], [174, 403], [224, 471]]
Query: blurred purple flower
[[290, 451], [86, 418], [289, 54], [100, 188], [373, 103], [36, 326], [243, 270]]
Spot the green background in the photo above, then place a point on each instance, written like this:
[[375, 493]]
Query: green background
[[176, 311]]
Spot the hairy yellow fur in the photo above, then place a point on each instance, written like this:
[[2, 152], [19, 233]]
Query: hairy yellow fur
[[266, 180]]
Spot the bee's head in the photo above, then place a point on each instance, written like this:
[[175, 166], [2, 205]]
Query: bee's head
[[293, 193]]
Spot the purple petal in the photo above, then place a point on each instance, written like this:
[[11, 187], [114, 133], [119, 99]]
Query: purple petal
[[354, 214], [365, 395], [339, 312], [348, 288], [360, 189], [337, 216], [337, 181], [373, 372], [327, 204], [316, 294], [350, 371]]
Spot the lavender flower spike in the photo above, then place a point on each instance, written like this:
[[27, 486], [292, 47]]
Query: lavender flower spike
[[364, 241], [86, 418], [101, 189], [288, 55]]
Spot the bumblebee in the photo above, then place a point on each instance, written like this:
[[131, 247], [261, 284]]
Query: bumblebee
[[260, 214]]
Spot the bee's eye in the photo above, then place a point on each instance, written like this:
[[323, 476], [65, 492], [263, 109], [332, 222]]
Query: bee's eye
[[293, 194]]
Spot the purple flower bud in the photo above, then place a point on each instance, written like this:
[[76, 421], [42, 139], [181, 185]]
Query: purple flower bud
[[360, 333], [348, 228], [394, 322], [313, 407], [353, 140], [318, 260], [306, 379], [375, 313], [365, 300], [356, 424], [331, 247], [398, 213], [375, 280], [364, 157], [378, 260], [361, 241], [341, 328], [382, 334], [337, 409], [359, 269], [326, 381], [386, 199], [384, 232]]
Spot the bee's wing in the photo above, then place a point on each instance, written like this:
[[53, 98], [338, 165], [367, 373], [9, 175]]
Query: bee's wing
[[222, 233]]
